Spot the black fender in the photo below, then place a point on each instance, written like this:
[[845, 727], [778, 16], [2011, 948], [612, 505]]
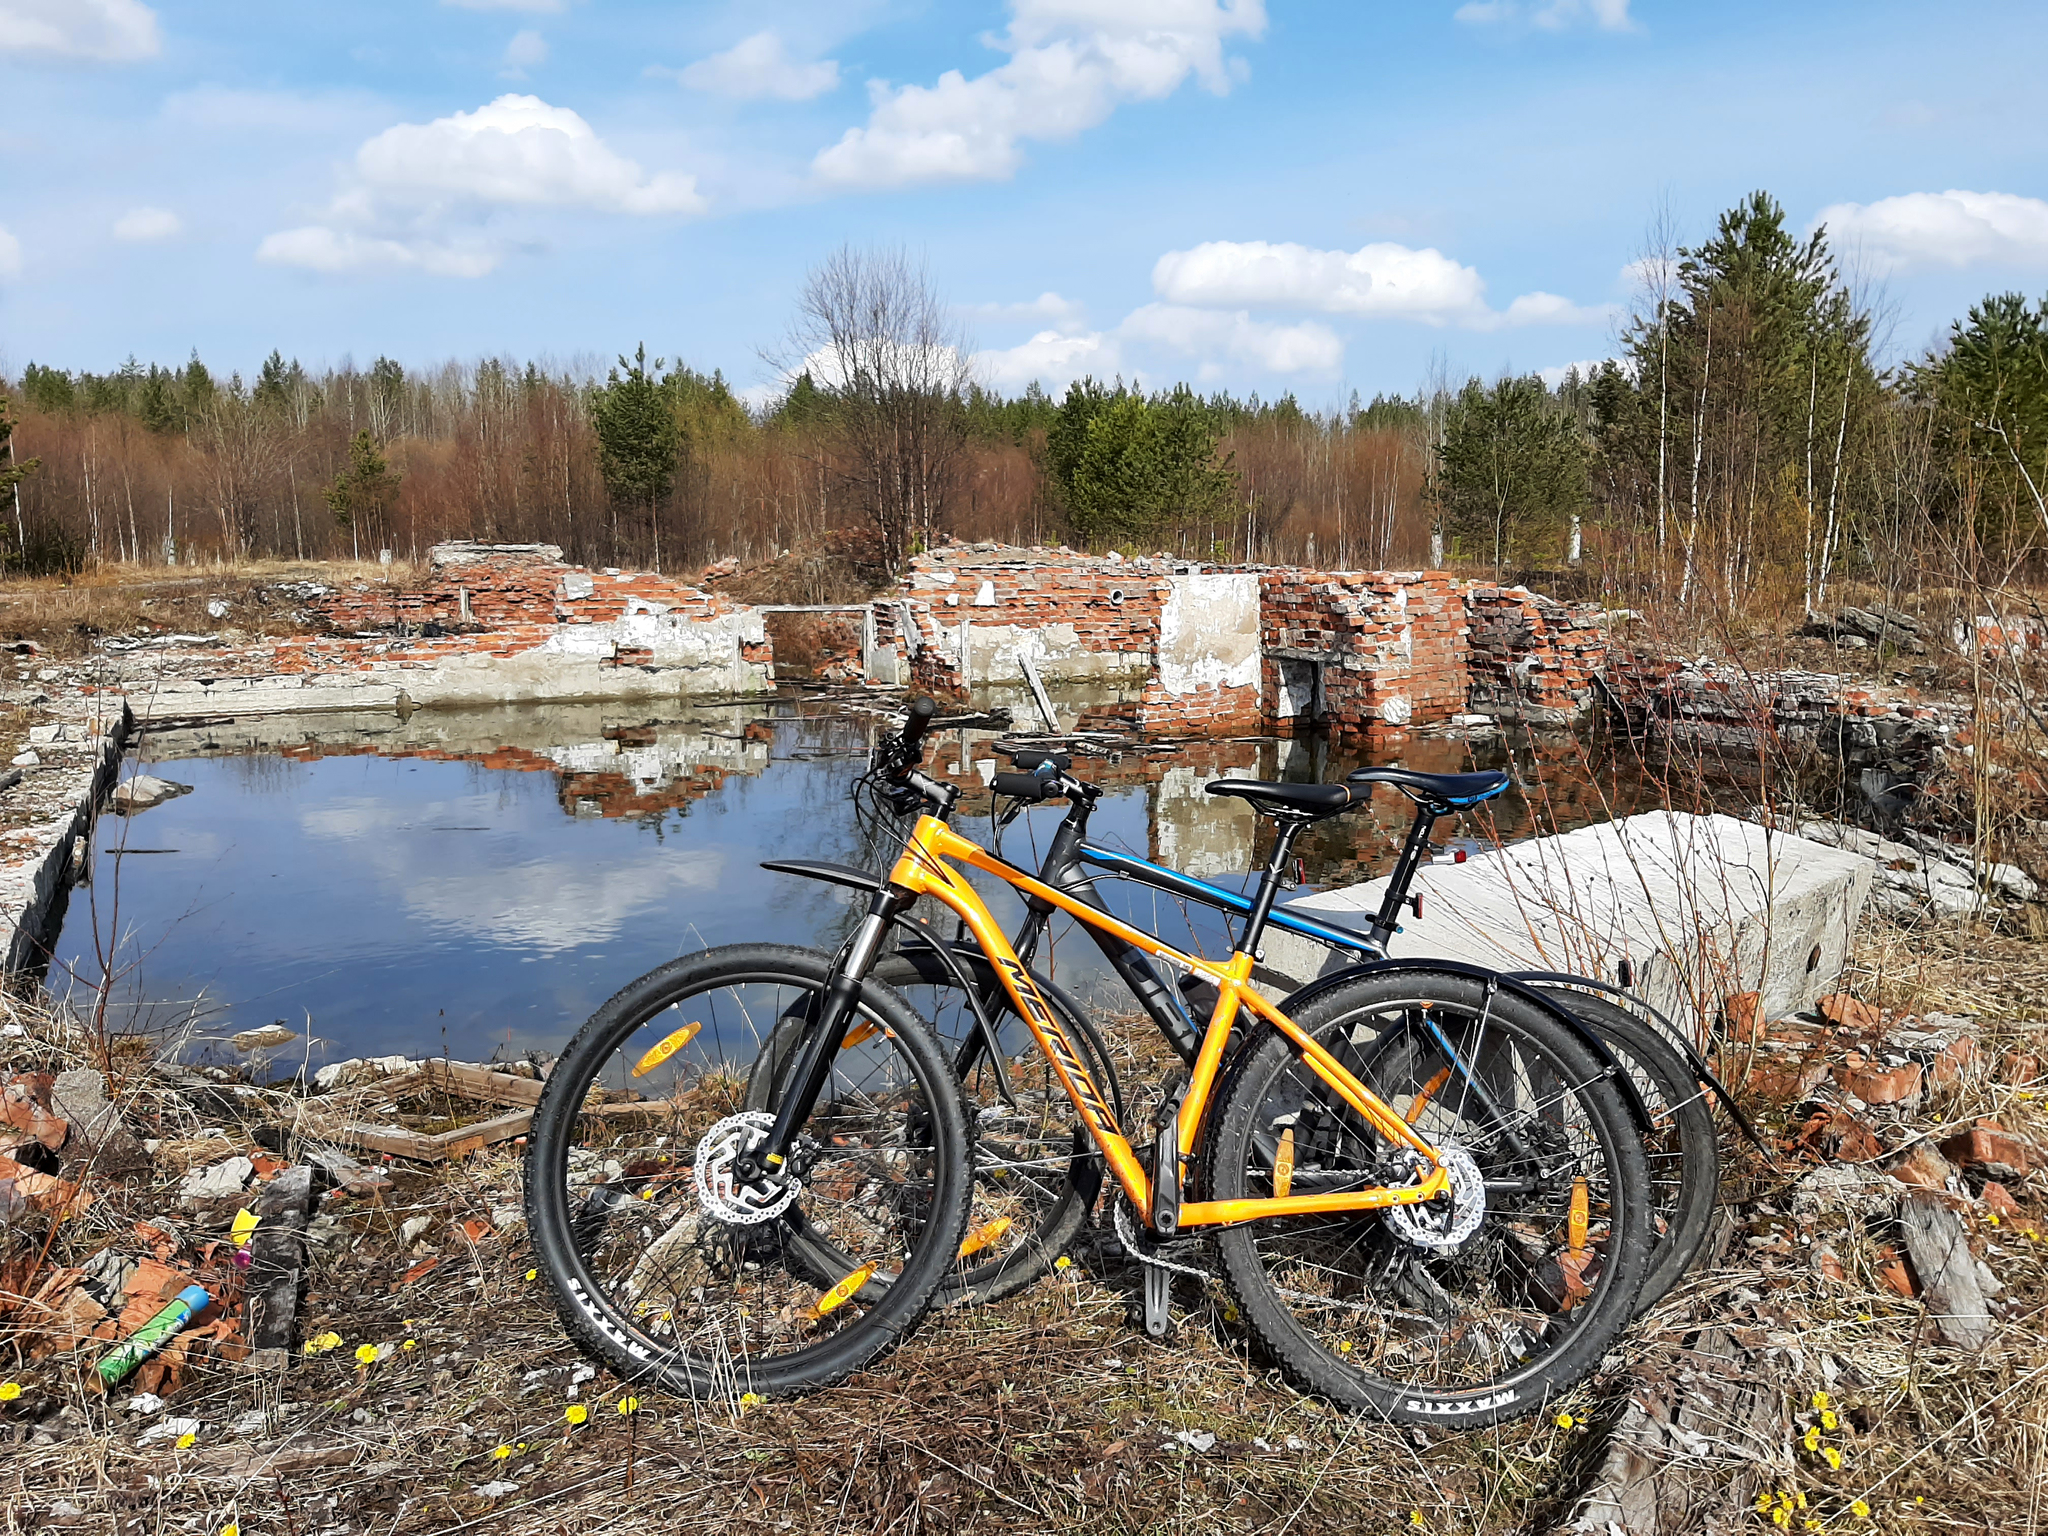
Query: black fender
[[1638, 1110], [824, 869], [1670, 1033]]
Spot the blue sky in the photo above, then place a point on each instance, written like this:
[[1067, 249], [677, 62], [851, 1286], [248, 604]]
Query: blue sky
[[1257, 194]]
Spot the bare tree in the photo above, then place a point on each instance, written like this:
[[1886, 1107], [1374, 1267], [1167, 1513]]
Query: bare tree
[[883, 348]]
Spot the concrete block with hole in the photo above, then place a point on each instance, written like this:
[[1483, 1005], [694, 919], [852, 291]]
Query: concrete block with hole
[[1695, 907]]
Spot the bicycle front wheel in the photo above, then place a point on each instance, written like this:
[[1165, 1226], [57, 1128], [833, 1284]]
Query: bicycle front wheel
[[1037, 1171], [1475, 1308], [672, 1277]]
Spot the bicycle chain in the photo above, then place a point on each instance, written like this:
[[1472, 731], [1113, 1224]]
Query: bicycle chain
[[1125, 1222]]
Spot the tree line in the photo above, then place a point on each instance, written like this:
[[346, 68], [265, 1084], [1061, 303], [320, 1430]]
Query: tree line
[[1743, 445]]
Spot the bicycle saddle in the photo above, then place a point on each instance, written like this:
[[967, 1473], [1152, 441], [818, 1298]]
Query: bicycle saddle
[[1296, 802], [1444, 788]]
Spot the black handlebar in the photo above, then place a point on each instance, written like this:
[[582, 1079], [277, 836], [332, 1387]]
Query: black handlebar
[[1023, 786], [912, 740]]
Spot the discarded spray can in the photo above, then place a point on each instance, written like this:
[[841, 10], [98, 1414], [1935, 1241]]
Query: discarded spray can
[[153, 1335]]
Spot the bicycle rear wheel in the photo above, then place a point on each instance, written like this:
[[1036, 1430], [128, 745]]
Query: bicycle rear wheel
[[668, 1274], [1681, 1148], [1471, 1310]]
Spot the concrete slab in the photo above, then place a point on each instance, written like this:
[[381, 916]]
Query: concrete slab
[[1699, 906]]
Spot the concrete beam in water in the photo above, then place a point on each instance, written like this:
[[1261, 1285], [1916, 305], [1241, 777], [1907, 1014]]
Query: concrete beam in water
[[1701, 907]]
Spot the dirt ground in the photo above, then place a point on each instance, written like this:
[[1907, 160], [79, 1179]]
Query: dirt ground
[[432, 1389]]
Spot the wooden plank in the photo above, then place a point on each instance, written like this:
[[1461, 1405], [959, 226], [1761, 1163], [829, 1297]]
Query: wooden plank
[[481, 1083], [485, 1133]]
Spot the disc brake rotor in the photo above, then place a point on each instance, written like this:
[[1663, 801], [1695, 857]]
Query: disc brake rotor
[[723, 1198], [1442, 1224]]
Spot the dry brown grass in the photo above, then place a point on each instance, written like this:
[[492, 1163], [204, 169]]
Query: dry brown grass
[[64, 615]]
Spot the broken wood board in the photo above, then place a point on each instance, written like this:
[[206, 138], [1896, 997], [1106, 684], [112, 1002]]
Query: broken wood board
[[480, 1083]]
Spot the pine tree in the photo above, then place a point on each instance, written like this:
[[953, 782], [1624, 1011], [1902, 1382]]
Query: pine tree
[[1511, 471], [637, 439], [364, 492]]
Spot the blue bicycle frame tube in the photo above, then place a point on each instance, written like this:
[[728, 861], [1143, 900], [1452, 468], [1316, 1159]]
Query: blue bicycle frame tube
[[1175, 883]]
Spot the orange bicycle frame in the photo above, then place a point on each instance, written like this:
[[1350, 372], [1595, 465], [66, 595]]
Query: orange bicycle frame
[[922, 870]]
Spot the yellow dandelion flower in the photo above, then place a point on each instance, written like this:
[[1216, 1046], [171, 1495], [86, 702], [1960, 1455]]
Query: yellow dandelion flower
[[750, 1399], [1763, 1501], [231, 1529], [187, 1440], [9, 1391], [1565, 1421], [1991, 1217], [1781, 1518], [1415, 1517], [410, 1344], [575, 1413], [629, 1405], [1811, 1439], [367, 1353], [1834, 1458], [533, 1274], [1828, 1419], [1820, 1399], [1062, 1262], [1859, 1509], [501, 1453], [1811, 1525], [1800, 1499]]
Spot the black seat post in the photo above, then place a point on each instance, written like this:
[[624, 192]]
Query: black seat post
[[1412, 851], [1269, 886]]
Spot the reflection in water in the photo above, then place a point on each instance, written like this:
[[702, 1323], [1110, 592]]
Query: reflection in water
[[480, 881]]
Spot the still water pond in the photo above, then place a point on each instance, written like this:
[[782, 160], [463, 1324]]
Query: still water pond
[[478, 882]]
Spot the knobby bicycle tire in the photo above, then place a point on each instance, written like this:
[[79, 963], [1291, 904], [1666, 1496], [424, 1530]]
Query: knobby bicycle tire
[[715, 1308], [1491, 1326], [1682, 1149]]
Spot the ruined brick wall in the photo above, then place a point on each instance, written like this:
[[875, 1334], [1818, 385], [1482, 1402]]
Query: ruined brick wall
[[521, 600], [1077, 616], [1361, 651], [1531, 656]]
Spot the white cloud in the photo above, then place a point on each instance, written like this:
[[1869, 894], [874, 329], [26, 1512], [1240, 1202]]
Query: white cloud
[[147, 224], [10, 254], [515, 153], [760, 66], [1065, 316], [527, 50], [1944, 229], [1308, 347], [1553, 16], [1053, 358], [1072, 63], [1378, 281], [329, 250], [111, 31], [1585, 368], [517, 150], [1212, 337]]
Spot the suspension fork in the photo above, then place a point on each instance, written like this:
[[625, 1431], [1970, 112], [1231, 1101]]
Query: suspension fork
[[826, 1035]]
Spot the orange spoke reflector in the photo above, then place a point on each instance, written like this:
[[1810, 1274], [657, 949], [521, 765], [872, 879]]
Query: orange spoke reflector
[[1575, 1224], [981, 1237], [843, 1292], [665, 1049], [861, 1031], [1283, 1165], [1430, 1090]]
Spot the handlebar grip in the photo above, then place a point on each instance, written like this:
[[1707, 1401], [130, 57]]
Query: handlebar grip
[[921, 712], [1021, 786], [1030, 758]]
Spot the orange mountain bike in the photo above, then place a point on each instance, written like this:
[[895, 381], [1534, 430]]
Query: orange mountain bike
[[1427, 1198]]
